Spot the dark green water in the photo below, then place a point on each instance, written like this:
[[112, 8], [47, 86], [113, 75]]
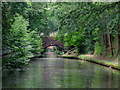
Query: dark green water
[[52, 72]]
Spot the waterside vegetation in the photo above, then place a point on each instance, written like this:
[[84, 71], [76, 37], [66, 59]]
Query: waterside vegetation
[[87, 27]]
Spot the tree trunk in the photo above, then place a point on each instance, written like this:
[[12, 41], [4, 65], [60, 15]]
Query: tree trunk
[[109, 39], [118, 44], [106, 44], [102, 38], [110, 43]]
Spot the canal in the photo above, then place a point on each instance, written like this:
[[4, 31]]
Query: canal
[[54, 72]]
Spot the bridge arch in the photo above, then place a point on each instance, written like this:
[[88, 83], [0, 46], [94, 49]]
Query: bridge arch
[[53, 45], [50, 41]]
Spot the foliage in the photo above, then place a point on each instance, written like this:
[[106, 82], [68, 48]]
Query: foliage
[[15, 52], [82, 25], [36, 43], [98, 48], [20, 42], [87, 26]]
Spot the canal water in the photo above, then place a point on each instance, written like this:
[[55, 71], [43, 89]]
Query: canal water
[[54, 72]]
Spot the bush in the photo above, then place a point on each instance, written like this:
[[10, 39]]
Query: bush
[[98, 48], [36, 43], [15, 53]]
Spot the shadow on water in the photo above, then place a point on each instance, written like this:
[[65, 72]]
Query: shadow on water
[[53, 72]]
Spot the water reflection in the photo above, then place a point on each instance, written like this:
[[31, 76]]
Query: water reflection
[[52, 72]]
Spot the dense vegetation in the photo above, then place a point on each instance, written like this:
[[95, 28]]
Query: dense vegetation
[[90, 27], [21, 39]]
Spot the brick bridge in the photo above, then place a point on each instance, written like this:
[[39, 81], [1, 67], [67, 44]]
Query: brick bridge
[[50, 41]]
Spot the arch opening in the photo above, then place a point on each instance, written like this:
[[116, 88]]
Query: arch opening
[[53, 48]]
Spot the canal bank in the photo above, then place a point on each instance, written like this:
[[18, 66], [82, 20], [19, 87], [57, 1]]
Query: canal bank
[[93, 60]]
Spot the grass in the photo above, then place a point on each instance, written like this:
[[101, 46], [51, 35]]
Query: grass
[[93, 60]]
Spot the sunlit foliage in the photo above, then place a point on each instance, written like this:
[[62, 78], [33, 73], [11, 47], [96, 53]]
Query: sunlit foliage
[[86, 26]]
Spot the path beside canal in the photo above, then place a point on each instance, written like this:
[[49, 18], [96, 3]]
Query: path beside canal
[[109, 62]]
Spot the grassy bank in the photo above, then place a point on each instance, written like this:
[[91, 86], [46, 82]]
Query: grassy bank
[[69, 56], [93, 60]]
